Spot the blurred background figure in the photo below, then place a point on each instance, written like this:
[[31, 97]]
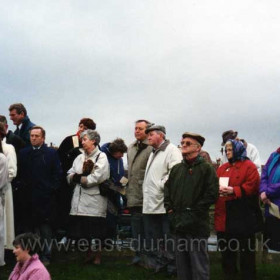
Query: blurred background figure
[[3, 183], [114, 152], [270, 196], [68, 150]]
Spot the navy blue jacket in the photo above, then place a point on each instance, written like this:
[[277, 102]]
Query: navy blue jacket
[[23, 133], [116, 165], [39, 174]]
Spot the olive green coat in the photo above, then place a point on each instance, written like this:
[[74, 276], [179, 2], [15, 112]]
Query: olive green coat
[[189, 192]]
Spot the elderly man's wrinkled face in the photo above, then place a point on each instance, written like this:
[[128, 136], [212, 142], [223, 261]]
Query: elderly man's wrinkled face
[[155, 139], [88, 145], [189, 147]]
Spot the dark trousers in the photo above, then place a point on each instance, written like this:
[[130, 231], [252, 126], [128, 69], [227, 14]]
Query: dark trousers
[[156, 227], [137, 228], [192, 258], [232, 247]]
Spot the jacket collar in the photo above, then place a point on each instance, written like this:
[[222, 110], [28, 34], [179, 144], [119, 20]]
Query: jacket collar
[[92, 154], [162, 147]]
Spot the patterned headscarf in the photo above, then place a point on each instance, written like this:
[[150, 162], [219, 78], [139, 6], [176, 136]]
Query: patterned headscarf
[[239, 151]]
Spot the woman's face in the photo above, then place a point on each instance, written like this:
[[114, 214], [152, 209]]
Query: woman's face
[[20, 254], [88, 145], [229, 151]]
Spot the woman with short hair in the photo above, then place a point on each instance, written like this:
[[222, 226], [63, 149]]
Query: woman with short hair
[[29, 266], [88, 206]]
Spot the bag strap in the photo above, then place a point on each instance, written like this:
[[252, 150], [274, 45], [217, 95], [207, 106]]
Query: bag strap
[[96, 159]]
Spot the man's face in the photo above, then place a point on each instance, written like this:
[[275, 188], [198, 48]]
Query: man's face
[[155, 139], [15, 117], [36, 137], [189, 147], [139, 131]]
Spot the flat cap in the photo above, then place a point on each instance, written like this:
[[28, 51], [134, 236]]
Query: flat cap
[[229, 134], [155, 127], [200, 139]]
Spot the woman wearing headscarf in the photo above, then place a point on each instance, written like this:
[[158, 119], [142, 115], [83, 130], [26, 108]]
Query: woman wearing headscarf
[[270, 196], [3, 184], [88, 206], [237, 174]]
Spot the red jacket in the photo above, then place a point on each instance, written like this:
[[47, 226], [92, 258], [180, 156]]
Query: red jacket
[[242, 173]]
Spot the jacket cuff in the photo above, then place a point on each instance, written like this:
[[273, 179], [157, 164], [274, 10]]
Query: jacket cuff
[[237, 191]]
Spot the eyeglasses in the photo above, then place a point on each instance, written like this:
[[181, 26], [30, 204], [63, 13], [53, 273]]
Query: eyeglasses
[[188, 143]]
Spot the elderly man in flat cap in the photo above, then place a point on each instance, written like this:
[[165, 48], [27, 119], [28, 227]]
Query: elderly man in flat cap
[[252, 151], [164, 156], [192, 187]]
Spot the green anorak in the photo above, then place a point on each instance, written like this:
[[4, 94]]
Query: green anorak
[[189, 192]]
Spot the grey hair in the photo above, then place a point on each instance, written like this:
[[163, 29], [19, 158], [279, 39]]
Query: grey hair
[[92, 135], [160, 132]]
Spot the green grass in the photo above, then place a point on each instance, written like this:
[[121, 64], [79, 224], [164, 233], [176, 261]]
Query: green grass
[[114, 266]]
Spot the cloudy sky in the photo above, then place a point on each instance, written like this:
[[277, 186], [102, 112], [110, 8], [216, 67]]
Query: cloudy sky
[[199, 65]]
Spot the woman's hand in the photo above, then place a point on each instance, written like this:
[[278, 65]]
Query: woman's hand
[[264, 198], [225, 190]]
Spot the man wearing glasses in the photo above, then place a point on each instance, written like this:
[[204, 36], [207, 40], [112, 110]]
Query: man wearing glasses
[[191, 189]]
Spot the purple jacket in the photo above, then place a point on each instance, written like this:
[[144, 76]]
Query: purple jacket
[[272, 190], [32, 269]]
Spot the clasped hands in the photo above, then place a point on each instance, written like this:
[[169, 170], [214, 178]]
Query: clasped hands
[[224, 191]]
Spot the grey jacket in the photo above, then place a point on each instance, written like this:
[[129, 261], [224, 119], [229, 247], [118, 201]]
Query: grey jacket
[[137, 158]]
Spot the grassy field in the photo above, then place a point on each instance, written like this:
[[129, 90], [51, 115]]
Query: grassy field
[[115, 266]]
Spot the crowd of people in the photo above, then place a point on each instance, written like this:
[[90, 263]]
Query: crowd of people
[[80, 188]]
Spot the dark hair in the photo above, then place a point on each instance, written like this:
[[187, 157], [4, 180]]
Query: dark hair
[[89, 123], [28, 241], [2, 131], [3, 119], [145, 121], [117, 145], [39, 127], [1, 148], [19, 108]]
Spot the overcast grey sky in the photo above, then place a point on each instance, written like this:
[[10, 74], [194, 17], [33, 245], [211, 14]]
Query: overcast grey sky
[[202, 66]]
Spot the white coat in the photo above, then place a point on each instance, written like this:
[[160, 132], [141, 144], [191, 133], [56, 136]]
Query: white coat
[[156, 174], [86, 200], [9, 152]]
